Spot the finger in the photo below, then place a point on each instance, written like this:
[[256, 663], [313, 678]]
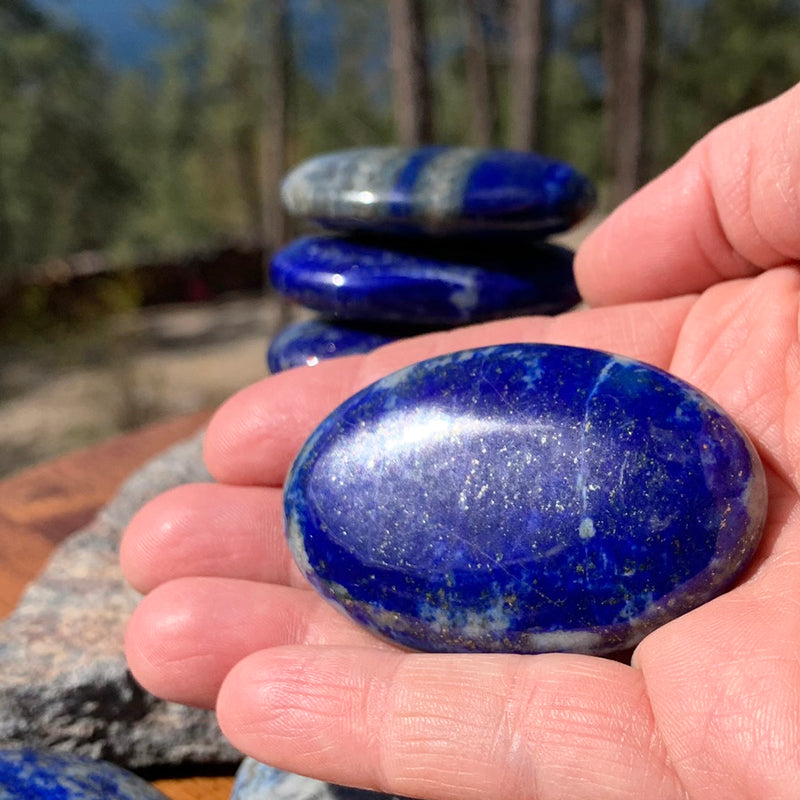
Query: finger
[[729, 209], [255, 435], [450, 726], [186, 635], [210, 530]]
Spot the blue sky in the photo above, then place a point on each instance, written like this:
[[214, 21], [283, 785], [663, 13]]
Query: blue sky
[[120, 26], [128, 37]]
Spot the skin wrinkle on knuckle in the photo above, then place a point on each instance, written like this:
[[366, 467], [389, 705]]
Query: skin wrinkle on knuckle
[[785, 188], [752, 198], [380, 708], [621, 739], [761, 225], [721, 326], [284, 703], [767, 351], [335, 702], [659, 752], [792, 368], [422, 733], [697, 758], [514, 737], [721, 240], [657, 767], [773, 752], [777, 178]]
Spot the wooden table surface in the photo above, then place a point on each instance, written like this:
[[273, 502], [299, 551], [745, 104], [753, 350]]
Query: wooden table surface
[[42, 505]]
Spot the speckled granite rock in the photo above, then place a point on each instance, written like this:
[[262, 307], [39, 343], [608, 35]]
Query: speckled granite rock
[[64, 683]]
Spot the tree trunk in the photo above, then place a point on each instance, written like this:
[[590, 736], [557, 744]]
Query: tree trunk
[[528, 25], [480, 88], [274, 140], [245, 147], [626, 29], [275, 227], [410, 74]]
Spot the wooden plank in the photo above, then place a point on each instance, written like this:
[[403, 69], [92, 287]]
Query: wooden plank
[[42, 505], [196, 788]]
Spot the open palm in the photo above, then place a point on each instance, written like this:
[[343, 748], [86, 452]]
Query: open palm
[[697, 274]]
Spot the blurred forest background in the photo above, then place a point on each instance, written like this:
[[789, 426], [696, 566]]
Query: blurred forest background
[[129, 183]]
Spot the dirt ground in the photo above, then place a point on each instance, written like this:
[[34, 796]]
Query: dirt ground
[[145, 366], [148, 366]]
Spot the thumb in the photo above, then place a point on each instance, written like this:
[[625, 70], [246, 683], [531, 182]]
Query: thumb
[[728, 209]]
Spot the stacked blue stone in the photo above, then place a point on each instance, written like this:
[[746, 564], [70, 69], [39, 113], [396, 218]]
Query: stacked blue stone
[[41, 775], [309, 342], [423, 285], [423, 238], [439, 191]]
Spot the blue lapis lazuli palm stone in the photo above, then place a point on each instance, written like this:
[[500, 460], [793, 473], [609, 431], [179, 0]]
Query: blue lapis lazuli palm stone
[[424, 283], [311, 341], [438, 191], [524, 498], [41, 775]]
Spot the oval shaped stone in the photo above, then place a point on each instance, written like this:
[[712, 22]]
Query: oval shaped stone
[[524, 498], [438, 191], [27, 774], [309, 342], [424, 284]]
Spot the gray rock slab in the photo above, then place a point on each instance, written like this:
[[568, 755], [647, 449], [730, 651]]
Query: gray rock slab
[[64, 682], [257, 781]]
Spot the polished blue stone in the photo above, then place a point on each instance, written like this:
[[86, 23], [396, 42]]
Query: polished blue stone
[[308, 343], [256, 781], [41, 775], [452, 191], [422, 283], [524, 498]]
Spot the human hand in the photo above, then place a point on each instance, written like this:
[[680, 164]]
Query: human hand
[[697, 274]]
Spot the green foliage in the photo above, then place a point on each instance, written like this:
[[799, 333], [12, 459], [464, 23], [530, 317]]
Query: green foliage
[[61, 189], [720, 58], [572, 116], [134, 163], [355, 110], [56, 316]]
